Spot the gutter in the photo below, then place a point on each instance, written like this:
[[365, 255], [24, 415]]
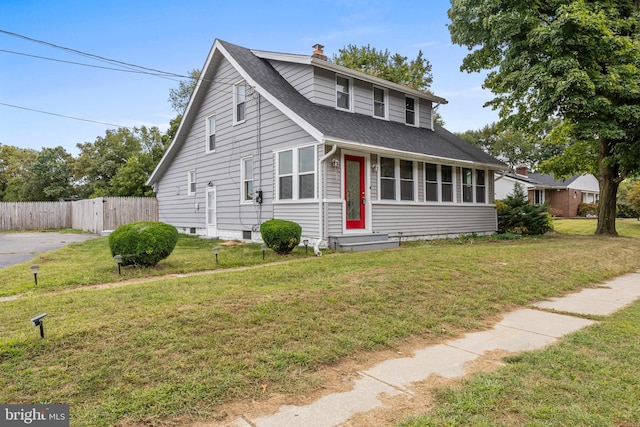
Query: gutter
[[321, 160]]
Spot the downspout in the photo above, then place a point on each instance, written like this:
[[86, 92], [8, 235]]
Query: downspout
[[321, 160]]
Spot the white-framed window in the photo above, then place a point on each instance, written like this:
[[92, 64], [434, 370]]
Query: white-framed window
[[387, 178], [431, 182], [481, 186], [296, 173], [474, 185], [239, 102], [211, 134], [343, 93], [379, 102], [407, 183], [246, 177], [397, 179], [191, 183], [538, 197], [467, 185], [446, 183], [411, 111]]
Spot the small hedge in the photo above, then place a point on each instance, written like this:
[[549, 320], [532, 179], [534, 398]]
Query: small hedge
[[280, 235], [143, 243]]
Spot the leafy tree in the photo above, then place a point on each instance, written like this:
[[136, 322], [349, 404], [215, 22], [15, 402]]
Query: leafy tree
[[629, 199], [49, 176], [395, 68], [575, 60], [14, 172], [179, 98], [119, 163]]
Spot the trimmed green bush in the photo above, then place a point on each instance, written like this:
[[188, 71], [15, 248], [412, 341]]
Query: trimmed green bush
[[143, 243], [280, 235], [588, 209], [516, 215]]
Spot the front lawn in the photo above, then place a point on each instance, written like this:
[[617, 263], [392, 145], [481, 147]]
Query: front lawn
[[628, 227], [184, 346]]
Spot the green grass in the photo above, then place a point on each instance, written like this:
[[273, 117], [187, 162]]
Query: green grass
[[629, 227], [589, 379], [185, 346], [90, 262]]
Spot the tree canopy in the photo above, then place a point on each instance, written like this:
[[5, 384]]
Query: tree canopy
[[574, 60]]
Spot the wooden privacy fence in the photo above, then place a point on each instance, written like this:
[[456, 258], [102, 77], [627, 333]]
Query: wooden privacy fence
[[94, 215]]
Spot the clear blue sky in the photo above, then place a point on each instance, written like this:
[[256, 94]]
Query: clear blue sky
[[176, 37]]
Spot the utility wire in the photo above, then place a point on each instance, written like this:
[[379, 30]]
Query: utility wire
[[66, 117]]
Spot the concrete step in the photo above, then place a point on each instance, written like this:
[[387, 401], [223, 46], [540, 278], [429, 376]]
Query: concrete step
[[361, 242]]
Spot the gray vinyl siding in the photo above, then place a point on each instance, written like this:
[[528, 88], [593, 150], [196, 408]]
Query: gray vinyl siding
[[425, 114], [222, 167], [299, 76], [324, 87], [362, 98], [304, 214], [433, 220]]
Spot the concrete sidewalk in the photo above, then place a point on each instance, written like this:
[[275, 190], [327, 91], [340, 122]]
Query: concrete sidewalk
[[521, 330]]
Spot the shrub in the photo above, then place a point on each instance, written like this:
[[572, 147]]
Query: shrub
[[588, 209], [281, 235], [143, 243], [516, 215]]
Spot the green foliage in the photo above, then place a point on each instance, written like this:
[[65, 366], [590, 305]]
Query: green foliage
[[575, 60], [14, 172], [395, 68], [280, 235], [516, 215], [629, 199], [588, 209], [143, 243], [49, 176], [179, 98]]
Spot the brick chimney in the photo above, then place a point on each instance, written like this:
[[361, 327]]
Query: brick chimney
[[318, 52], [522, 170]]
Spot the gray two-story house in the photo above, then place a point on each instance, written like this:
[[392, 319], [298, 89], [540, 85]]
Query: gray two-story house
[[275, 135]]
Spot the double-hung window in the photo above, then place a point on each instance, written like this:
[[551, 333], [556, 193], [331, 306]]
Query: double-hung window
[[191, 183], [239, 102], [467, 185], [387, 178], [431, 182], [246, 172], [211, 133], [481, 187], [343, 93], [406, 180], [297, 173], [446, 184], [379, 102], [410, 111]]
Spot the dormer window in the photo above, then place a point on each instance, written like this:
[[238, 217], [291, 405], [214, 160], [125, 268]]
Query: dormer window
[[410, 111], [343, 93], [379, 102], [239, 95]]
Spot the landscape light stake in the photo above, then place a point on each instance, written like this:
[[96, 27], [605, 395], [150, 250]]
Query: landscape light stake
[[215, 251], [264, 249], [306, 247], [118, 259], [38, 321], [34, 269]]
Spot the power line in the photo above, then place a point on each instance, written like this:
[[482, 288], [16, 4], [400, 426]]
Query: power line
[[65, 116], [88, 65]]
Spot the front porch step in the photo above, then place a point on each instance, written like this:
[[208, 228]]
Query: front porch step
[[362, 242]]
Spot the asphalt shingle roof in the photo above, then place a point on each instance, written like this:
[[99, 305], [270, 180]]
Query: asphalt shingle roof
[[359, 128]]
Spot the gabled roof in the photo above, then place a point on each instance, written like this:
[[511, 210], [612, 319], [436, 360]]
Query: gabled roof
[[326, 124], [540, 180]]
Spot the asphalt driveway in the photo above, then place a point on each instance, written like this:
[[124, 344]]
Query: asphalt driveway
[[20, 247]]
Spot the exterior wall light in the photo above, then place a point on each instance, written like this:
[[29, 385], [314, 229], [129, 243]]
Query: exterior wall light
[[335, 163]]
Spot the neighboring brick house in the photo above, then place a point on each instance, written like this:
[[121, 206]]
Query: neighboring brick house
[[562, 195]]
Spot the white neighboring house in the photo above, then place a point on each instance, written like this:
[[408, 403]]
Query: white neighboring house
[[562, 195], [296, 137]]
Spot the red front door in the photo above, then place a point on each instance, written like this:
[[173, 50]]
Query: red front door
[[354, 191]]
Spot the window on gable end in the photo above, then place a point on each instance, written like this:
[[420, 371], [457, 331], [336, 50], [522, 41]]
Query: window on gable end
[[379, 102], [410, 111], [246, 171], [191, 183], [239, 102], [211, 134], [343, 93]]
